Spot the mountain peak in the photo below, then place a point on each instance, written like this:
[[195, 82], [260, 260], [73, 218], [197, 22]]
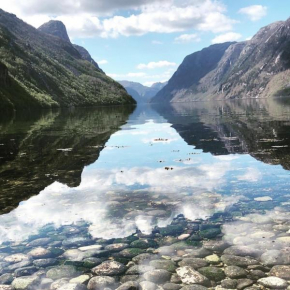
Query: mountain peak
[[56, 28]]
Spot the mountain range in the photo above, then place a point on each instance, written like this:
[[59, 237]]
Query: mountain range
[[256, 68], [41, 68], [141, 93]]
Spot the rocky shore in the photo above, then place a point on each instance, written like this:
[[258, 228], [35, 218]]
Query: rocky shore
[[230, 250]]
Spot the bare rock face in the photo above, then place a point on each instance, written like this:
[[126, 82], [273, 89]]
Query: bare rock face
[[56, 28]]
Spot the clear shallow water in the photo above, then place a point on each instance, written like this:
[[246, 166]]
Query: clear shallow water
[[112, 171]]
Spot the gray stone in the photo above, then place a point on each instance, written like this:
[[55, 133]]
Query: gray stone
[[21, 264], [232, 260], [273, 282], [229, 284], [130, 285], [76, 242], [147, 285], [72, 286], [167, 265], [27, 271], [43, 263], [40, 253], [25, 283], [194, 287], [274, 257], [257, 274], [143, 258], [190, 276], [281, 271], [171, 286], [61, 272], [242, 251], [16, 258], [216, 246], [39, 242], [58, 283], [235, 272], [6, 279], [109, 268], [244, 283], [198, 253], [158, 276], [194, 263], [101, 282], [139, 269], [116, 247]]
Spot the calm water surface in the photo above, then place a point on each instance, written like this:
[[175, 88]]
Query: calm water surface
[[112, 171]]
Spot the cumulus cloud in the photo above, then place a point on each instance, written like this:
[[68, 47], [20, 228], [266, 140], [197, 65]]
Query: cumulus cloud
[[254, 12], [103, 61], [184, 38], [230, 36], [158, 64], [82, 18]]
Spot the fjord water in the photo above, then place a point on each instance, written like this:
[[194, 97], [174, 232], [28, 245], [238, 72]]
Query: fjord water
[[106, 173]]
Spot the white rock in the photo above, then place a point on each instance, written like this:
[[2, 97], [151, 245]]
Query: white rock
[[273, 282]]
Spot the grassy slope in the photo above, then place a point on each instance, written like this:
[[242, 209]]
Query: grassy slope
[[48, 72]]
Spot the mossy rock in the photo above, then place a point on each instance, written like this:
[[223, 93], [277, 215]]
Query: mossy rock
[[171, 230], [212, 273], [210, 233], [144, 244], [130, 252]]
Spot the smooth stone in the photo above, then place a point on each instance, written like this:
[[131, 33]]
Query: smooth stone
[[274, 257], [216, 246], [273, 282], [43, 263], [210, 233], [130, 252], [116, 247], [92, 262], [242, 251], [101, 282], [171, 230], [171, 286], [72, 286], [175, 279], [163, 264], [263, 198], [232, 260], [82, 279], [244, 283], [281, 271], [128, 278], [58, 283], [212, 273], [158, 276], [39, 253], [193, 287], [22, 264], [61, 272], [257, 274], [74, 255], [143, 244], [190, 276], [194, 263], [229, 284], [147, 285], [88, 248], [39, 242], [6, 279], [16, 258], [130, 285], [235, 272], [5, 287], [213, 259], [76, 242], [27, 271], [45, 283], [198, 253], [183, 237], [142, 258], [109, 268], [24, 283], [139, 269], [284, 240]]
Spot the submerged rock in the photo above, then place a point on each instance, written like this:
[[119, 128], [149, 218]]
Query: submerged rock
[[25, 283], [158, 276], [273, 282], [109, 268], [61, 272], [101, 282], [189, 276]]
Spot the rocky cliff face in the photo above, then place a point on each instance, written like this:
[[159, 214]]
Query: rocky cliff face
[[255, 68], [193, 68], [47, 71], [56, 28]]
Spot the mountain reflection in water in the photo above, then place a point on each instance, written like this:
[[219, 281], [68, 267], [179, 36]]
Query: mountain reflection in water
[[192, 159]]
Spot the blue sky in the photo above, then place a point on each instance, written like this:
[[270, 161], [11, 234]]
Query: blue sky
[[145, 40]]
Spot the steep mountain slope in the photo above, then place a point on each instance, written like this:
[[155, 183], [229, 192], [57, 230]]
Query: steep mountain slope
[[255, 68], [142, 94], [47, 71], [193, 68]]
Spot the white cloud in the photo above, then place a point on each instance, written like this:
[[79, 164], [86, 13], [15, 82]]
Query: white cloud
[[158, 64], [157, 42], [155, 16], [254, 12], [251, 175], [187, 38], [103, 61], [230, 36]]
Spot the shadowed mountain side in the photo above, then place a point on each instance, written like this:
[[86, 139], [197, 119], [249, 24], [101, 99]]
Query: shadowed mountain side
[[54, 147], [222, 128]]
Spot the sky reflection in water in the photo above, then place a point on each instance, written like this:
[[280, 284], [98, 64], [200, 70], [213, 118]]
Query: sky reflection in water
[[145, 175]]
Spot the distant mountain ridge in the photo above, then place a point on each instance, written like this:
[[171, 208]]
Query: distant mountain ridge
[[39, 70], [255, 68], [141, 93]]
